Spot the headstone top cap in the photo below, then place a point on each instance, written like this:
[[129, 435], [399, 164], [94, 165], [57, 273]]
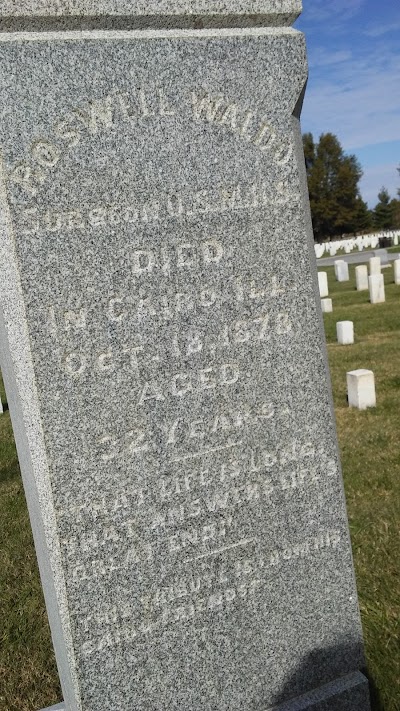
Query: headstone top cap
[[361, 371], [172, 13]]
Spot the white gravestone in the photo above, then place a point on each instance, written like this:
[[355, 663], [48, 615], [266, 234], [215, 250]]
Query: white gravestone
[[326, 306], [345, 332], [396, 270], [361, 388], [375, 265], [383, 256], [362, 277], [376, 287], [323, 284], [341, 270]]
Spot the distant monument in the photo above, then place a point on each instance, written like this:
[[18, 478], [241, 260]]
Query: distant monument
[[163, 355]]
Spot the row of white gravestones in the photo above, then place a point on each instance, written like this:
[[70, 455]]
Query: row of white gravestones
[[360, 383], [359, 243], [342, 268], [361, 272]]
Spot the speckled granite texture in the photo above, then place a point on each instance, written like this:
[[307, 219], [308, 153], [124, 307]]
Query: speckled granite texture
[[162, 348], [349, 693], [80, 8], [124, 14]]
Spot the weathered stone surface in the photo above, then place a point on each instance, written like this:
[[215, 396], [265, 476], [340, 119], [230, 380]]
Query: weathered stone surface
[[345, 694], [157, 13], [163, 354]]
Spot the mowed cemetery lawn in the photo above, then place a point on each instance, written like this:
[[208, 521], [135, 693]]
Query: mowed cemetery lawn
[[370, 449], [370, 452]]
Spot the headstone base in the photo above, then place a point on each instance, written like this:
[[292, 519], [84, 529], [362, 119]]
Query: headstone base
[[349, 693]]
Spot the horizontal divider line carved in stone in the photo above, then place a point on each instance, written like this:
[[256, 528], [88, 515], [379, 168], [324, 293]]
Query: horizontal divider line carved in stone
[[113, 22]]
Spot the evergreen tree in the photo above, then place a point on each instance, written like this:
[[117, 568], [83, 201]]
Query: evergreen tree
[[309, 151], [333, 177], [363, 217], [395, 205], [383, 212]]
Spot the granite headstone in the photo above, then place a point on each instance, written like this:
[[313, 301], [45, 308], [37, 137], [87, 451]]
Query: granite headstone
[[164, 359]]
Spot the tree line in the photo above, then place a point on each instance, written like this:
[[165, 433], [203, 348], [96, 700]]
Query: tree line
[[337, 207]]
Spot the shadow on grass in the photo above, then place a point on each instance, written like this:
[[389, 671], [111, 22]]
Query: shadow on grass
[[322, 682], [9, 472]]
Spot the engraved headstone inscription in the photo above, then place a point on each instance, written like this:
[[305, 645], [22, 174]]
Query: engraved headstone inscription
[[163, 354]]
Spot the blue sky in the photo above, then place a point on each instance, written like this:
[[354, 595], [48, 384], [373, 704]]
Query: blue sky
[[354, 85]]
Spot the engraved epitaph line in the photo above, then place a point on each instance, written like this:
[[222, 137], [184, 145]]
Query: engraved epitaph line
[[246, 542], [203, 452]]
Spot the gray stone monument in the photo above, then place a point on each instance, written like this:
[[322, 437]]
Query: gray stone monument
[[163, 354]]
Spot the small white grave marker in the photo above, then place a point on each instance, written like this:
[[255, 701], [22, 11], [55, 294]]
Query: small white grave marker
[[341, 270], [323, 284], [345, 332], [376, 289], [362, 277], [396, 269], [326, 306], [361, 388]]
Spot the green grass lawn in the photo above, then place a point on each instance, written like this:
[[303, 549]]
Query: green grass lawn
[[370, 448], [370, 451]]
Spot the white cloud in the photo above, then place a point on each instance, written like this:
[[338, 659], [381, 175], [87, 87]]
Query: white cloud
[[359, 102], [320, 57], [379, 30], [338, 10]]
